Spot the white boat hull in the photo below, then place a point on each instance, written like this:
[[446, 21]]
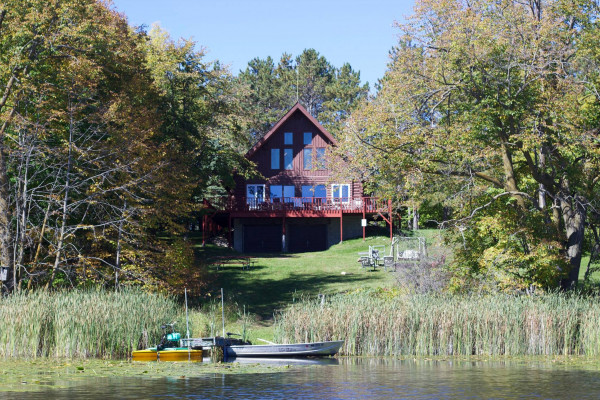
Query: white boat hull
[[316, 349]]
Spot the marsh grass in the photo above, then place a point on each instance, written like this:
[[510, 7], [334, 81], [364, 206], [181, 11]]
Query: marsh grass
[[440, 325], [82, 324]]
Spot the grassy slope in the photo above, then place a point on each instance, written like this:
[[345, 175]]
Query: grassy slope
[[279, 279]]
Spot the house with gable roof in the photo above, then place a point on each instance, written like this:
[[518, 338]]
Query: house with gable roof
[[296, 205]]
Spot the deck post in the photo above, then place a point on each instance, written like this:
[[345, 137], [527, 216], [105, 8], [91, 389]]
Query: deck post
[[283, 233], [341, 224], [364, 210]]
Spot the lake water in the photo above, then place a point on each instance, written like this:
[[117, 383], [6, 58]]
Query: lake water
[[354, 379]]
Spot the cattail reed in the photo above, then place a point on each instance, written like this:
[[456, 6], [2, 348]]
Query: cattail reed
[[427, 325], [78, 324]]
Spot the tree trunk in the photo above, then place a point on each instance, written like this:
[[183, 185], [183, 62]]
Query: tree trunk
[[39, 246], [509, 173], [118, 256], [61, 235], [593, 253], [415, 219], [5, 233], [574, 214]]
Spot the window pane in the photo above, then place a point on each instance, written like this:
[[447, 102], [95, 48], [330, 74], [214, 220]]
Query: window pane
[[308, 138], [288, 193], [345, 193], [307, 191], [320, 158], [340, 193], [288, 138], [274, 158], [288, 158], [320, 191], [307, 158], [335, 190], [255, 194], [276, 192]]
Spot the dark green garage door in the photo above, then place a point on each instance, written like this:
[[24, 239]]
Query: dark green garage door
[[262, 238], [307, 238]]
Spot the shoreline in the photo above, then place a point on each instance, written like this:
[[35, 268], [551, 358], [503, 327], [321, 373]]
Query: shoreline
[[41, 374]]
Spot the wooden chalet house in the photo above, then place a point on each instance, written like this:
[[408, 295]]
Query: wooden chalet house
[[297, 207]]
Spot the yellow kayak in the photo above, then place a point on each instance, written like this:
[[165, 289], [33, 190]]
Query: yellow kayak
[[169, 354]]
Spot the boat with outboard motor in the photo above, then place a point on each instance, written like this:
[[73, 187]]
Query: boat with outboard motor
[[173, 348], [169, 349], [313, 349]]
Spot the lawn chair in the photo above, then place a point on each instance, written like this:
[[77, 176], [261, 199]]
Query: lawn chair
[[375, 258], [365, 262]]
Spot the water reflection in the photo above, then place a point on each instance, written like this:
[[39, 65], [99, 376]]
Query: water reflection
[[280, 362], [352, 378]]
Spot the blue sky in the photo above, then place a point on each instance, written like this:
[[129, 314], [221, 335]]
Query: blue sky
[[235, 31]]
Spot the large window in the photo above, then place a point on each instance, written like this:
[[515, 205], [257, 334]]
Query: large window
[[288, 193], [275, 159], [307, 158], [320, 158], [308, 138], [288, 138], [255, 194], [281, 193], [288, 158], [276, 192], [316, 193], [340, 193]]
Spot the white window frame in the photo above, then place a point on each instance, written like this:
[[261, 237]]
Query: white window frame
[[253, 201], [339, 198]]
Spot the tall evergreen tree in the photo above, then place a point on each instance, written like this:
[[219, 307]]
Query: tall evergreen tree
[[328, 93]]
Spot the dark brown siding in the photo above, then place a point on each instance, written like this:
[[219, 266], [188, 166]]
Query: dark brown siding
[[297, 123]]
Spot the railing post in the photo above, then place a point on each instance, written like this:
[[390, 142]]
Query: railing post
[[341, 224]]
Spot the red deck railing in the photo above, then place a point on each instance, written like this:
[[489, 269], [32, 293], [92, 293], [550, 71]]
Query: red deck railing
[[304, 204]]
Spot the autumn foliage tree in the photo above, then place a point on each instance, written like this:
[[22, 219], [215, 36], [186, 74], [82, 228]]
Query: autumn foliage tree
[[491, 108], [109, 138]]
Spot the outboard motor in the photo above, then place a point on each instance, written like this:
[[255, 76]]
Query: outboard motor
[[170, 338]]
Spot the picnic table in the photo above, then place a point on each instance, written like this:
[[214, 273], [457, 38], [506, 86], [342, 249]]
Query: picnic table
[[245, 261]]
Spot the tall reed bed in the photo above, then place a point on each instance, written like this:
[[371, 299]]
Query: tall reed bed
[[79, 323], [553, 324]]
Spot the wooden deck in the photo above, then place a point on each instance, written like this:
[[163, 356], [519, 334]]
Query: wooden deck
[[304, 207]]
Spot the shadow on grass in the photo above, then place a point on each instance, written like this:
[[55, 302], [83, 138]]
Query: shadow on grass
[[265, 296]]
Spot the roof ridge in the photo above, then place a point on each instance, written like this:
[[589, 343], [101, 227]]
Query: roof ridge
[[291, 111]]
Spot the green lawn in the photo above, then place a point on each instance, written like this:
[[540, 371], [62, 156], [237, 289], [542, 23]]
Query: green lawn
[[279, 279], [595, 275]]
